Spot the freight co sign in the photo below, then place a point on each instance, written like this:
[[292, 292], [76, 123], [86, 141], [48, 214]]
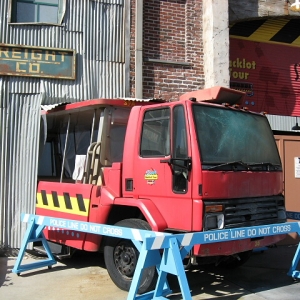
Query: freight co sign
[[19, 60]]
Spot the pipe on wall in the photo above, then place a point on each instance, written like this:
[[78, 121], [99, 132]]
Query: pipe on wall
[[139, 49]]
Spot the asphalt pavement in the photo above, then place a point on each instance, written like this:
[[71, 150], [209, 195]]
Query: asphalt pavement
[[83, 276]]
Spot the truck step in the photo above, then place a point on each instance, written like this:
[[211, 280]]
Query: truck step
[[58, 251]]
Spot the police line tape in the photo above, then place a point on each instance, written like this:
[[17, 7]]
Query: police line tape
[[158, 240], [88, 227], [224, 235], [293, 215]]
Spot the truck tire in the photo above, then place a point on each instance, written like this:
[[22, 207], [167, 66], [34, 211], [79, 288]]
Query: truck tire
[[121, 256]]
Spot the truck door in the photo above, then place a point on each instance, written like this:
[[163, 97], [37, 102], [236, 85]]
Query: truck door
[[163, 164]]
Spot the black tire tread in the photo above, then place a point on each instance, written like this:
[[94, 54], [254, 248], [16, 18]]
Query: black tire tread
[[110, 242]]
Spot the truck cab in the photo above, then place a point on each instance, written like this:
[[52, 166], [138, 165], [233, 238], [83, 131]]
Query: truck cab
[[201, 163]]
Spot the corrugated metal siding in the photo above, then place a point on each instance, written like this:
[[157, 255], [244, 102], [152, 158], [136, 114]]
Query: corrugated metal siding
[[95, 30], [19, 119], [283, 123], [4, 30]]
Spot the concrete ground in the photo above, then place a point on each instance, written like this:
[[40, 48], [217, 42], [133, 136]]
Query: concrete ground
[[84, 276]]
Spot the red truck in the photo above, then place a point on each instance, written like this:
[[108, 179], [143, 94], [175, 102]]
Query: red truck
[[201, 163]]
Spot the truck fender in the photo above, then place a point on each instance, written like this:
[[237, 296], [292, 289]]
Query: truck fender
[[148, 209]]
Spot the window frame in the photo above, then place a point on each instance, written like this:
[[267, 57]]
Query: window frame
[[165, 150], [180, 160], [12, 13]]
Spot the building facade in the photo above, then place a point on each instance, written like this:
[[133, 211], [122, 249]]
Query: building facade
[[51, 52], [58, 51]]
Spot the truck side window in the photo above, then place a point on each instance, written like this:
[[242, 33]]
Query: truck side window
[[54, 149], [48, 166], [180, 151], [113, 135], [156, 133]]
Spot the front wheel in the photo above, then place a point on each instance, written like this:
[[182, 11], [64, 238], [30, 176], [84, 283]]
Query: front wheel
[[121, 256]]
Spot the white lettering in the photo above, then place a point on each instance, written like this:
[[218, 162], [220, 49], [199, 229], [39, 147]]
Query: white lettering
[[113, 231], [251, 232], [216, 236], [265, 230], [95, 228], [83, 227], [58, 223], [281, 229], [237, 234], [72, 225]]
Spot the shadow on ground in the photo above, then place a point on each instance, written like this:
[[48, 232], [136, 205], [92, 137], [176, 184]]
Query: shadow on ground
[[264, 273]]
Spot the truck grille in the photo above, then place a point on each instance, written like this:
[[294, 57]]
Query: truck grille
[[250, 211]]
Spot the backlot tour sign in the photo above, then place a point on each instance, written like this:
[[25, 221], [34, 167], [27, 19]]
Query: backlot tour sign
[[268, 73]]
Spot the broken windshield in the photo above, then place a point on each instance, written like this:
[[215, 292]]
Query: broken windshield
[[226, 135]]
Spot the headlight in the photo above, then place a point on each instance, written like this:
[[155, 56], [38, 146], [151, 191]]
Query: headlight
[[214, 221]]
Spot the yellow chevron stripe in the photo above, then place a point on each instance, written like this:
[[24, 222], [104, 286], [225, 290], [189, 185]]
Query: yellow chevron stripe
[[267, 42], [267, 30], [62, 205], [296, 42]]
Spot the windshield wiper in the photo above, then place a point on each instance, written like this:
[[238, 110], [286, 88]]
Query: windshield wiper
[[265, 164], [237, 162]]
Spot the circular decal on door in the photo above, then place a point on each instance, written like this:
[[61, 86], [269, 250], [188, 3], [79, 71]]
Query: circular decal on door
[[151, 176]]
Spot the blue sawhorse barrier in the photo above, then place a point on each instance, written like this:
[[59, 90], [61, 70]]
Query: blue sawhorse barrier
[[165, 251], [33, 233], [176, 248], [293, 269], [36, 225]]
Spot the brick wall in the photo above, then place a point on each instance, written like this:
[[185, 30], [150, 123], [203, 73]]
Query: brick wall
[[172, 48]]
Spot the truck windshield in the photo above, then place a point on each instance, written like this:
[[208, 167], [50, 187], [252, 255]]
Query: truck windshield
[[234, 139]]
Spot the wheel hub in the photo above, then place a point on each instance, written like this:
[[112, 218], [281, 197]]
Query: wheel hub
[[125, 259]]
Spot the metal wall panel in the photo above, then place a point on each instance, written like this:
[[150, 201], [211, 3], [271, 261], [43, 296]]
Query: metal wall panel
[[4, 29], [19, 119], [283, 123], [3, 162], [95, 30]]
